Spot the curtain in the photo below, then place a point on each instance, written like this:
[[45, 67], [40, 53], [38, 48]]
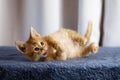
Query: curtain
[[90, 10], [43, 15], [112, 23], [8, 21], [47, 16], [17, 16]]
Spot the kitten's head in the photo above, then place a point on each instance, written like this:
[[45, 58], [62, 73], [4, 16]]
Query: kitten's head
[[34, 48]]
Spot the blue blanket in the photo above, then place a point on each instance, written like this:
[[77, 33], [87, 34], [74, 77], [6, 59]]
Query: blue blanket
[[105, 65]]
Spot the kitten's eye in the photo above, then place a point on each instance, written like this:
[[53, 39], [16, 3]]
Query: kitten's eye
[[36, 48], [41, 43]]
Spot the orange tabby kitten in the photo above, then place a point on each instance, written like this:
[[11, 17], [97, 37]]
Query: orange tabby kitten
[[60, 45]]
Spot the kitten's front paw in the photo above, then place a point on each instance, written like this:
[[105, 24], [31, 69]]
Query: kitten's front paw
[[94, 48]]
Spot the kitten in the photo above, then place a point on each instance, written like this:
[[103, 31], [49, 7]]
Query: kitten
[[60, 45]]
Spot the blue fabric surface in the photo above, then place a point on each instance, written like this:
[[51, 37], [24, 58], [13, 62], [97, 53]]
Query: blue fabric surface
[[105, 65]]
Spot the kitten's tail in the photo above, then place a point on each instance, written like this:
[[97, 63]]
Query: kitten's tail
[[89, 31]]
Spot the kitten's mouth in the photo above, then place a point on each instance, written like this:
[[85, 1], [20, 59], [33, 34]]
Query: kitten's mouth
[[43, 53]]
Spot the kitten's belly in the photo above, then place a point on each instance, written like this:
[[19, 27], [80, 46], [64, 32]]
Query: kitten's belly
[[70, 48]]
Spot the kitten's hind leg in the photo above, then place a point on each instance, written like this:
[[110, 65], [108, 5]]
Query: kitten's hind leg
[[93, 48], [80, 39], [77, 38]]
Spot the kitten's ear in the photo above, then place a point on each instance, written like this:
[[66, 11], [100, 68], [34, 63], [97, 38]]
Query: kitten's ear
[[20, 46], [33, 33]]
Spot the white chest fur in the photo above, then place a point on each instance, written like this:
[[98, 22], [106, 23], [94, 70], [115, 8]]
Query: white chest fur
[[71, 48]]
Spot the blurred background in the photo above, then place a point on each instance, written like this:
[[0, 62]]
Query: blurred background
[[46, 16]]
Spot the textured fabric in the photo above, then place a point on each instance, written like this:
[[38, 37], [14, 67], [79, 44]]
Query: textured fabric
[[105, 65]]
